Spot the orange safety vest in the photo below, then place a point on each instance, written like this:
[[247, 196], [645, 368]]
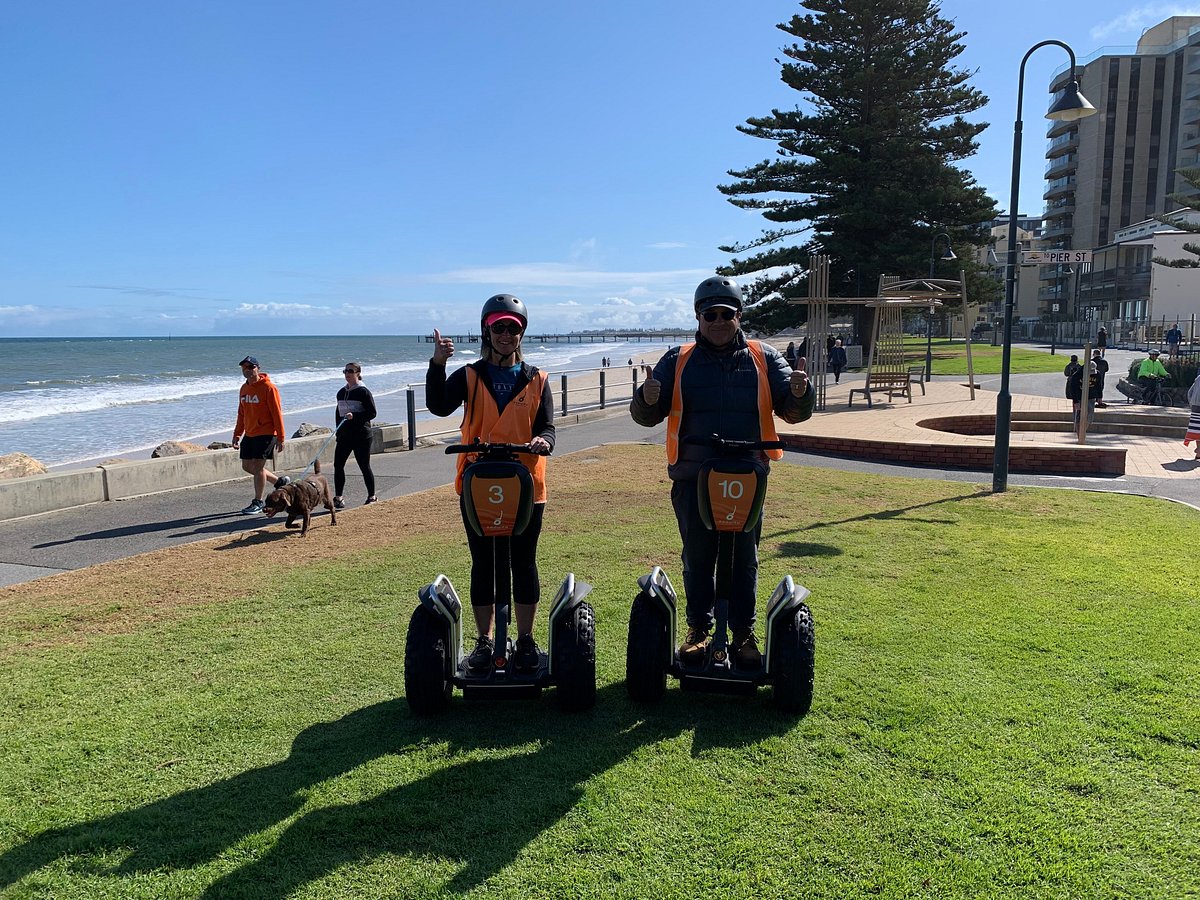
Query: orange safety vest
[[766, 410], [482, 419]]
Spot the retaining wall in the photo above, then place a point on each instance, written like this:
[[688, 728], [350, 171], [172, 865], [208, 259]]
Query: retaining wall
[[119, 481]]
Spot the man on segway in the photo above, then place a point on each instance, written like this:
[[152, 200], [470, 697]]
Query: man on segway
[[726, 385], [507, 401]]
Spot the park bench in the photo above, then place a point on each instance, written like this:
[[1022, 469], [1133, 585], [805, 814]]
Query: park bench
[[916, 375], [890, 383]]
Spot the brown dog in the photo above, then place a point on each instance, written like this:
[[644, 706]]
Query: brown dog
[[300, 498]]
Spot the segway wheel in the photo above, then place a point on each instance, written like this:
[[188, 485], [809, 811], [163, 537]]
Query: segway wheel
[[793, 663], [575, 659], [426, 686], [646, 652]]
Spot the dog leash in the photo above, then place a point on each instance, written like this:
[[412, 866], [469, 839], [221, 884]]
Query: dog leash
[[332, 435]]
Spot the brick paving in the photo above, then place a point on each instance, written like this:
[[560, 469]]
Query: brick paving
[[894, 429]]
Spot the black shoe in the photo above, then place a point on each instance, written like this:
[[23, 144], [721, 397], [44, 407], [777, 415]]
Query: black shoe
[[282, 481], [339, 503], [480, 659], [745, 649], [525, 658]]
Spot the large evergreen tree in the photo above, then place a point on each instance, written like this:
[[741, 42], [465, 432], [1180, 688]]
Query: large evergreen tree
[[1191, 176], [865, 172]]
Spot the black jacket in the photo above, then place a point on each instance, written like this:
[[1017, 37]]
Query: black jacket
[[358, 426]]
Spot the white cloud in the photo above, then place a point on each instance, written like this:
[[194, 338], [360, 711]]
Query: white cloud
[[1137, 20], [584, 251], [667, 245], [560, 275], [26, 310]]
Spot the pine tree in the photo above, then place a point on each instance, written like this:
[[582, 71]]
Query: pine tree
[[1192, 176], [866, 172]]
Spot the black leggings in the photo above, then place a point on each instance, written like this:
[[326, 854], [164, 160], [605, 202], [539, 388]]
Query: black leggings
[[361, 448], [525, 586]]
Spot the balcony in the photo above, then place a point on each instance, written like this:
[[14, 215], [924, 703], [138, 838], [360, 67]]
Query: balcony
[[1062, 144], [1063, 165], [1061, 228], [1058, 209]]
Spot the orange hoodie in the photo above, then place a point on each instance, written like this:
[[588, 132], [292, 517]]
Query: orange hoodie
[[259, 410]]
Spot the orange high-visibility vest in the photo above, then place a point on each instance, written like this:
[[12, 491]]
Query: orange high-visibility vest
[[766, 410], [482, 419]]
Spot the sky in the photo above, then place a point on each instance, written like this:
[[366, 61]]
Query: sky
[[246, 167]]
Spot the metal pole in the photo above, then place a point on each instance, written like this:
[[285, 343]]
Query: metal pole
[[602, 389], [564, 394], [410, 401], [1004, 397]]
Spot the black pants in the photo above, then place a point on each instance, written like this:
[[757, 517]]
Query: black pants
[[523, 553], [700, 564], [360, 446]]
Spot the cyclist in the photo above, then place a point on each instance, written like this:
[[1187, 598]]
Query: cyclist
[[1151, 373]]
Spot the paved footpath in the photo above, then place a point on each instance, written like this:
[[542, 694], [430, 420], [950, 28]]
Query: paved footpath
[[70, 539]]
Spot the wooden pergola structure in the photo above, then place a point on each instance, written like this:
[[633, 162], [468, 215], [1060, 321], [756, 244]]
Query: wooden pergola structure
[[887, 330]]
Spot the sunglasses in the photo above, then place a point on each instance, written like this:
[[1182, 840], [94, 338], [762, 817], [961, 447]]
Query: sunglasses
[[349, 371], [505, 328], [710, 315]]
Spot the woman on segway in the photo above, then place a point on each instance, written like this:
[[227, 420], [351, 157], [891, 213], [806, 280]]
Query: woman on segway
[[507, 401]]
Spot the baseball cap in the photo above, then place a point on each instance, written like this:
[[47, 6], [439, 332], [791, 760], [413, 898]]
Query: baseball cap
[[249, 361], [1154, 353], [502, 317]]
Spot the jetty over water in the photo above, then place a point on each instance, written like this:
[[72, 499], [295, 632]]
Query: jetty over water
[[599, 337]]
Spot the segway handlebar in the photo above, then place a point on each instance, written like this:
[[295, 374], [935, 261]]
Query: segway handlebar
[[496, 451], [725, 445]]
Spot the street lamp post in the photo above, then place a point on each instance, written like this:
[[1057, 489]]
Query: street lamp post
[[1071, 105], [949, 254]]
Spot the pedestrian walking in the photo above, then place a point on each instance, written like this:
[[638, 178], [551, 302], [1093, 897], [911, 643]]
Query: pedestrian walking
[[1193, 426], [352, 421], [259, 430], [1101, 365]]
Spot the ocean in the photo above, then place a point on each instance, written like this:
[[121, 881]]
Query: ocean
[[71, 401]]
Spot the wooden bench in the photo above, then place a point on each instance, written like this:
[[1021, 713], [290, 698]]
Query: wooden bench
[[890, 383], [916, 375]]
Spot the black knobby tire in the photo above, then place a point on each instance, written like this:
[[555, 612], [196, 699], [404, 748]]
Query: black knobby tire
[[575, 659], [646, 652], [793, 662], [425, 649]]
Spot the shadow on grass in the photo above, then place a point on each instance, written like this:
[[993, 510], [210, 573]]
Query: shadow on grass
[[882, 515], [477, 815]]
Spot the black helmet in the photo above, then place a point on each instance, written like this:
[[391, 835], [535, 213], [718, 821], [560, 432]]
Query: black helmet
[[717, 291], [503, 303]]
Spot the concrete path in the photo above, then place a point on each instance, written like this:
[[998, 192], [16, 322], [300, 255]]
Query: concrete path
[[72, 539]]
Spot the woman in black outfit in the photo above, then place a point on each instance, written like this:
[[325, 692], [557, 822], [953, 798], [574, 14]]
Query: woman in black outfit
[[355, 410]]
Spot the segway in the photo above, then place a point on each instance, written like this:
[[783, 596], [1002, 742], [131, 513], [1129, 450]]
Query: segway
[[731, 487], [497, 496]]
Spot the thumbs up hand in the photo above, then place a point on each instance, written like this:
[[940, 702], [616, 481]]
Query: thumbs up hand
[[651, 387], [443, 348], [799, 379]]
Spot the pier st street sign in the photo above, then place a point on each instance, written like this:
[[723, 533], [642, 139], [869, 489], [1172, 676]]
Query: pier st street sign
[[1055, 257]]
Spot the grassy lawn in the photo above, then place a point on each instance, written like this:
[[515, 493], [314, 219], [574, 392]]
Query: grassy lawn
[[950, 357], [1007, 705]]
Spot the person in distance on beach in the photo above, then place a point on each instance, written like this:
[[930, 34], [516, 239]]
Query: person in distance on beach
[[352, 421], [507, 401], [259, 429], [712, 386]]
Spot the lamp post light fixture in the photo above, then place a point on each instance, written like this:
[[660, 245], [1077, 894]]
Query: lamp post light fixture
[[1069, 106], [949, 254]]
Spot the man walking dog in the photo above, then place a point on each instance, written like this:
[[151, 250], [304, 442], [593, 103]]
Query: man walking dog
[[259, 430]]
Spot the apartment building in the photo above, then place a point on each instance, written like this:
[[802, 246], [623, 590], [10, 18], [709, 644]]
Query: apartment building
[[1112, 170]]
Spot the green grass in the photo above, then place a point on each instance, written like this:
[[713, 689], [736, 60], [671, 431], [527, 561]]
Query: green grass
[[950, 358], [1006, 706]]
